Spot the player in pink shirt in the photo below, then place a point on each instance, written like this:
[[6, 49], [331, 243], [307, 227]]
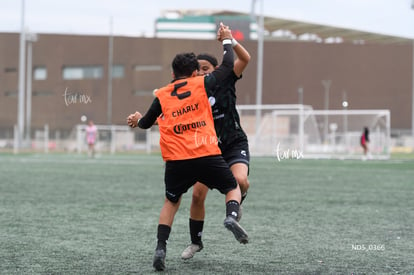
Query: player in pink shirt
[[91, 134]]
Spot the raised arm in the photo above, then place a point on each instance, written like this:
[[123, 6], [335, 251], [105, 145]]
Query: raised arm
[[227, 65], [242, 55], [243, 58]]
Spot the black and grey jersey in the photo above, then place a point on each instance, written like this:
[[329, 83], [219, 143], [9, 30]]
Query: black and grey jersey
[[226, 118]]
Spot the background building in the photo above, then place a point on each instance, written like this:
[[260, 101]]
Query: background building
[[202, 24], [70, 72]]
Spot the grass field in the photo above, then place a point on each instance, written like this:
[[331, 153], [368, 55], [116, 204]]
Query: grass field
[[67, 214]]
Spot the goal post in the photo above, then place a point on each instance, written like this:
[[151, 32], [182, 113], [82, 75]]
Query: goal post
[[315, 133], [288, 131]]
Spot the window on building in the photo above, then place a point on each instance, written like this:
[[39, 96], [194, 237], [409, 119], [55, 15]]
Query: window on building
[[82, 72], [42, 93], [118, 71], [148, 68], [10, 70], [40, 73], [10, 93], [142, 93]]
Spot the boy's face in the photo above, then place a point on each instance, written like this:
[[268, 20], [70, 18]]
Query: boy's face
[[205, 67]]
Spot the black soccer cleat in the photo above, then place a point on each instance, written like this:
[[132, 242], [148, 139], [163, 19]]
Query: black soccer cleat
[[159, 260], [239, 233]]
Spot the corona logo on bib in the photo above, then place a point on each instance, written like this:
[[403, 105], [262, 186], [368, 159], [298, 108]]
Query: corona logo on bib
[[181, 128]]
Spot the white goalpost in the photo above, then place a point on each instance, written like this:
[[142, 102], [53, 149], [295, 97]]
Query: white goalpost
[[298, 131]]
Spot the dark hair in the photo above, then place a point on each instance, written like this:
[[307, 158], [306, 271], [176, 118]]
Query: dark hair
[[209, 58], [366, 133], [184, 64]]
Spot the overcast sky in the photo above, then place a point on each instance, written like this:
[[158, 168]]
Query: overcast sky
[[137, 17]]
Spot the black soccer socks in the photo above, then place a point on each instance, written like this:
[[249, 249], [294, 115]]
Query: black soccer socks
[[163, 233], [196, 231], [232, 208]]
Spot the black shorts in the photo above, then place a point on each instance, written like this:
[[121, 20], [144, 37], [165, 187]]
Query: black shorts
[[237, 152], [212, 171]]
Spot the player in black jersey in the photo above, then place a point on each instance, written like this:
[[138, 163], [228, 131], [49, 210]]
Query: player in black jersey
[[231, 139]]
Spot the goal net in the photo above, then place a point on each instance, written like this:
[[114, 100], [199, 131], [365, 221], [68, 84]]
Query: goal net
[[298, 131], [282, 131]]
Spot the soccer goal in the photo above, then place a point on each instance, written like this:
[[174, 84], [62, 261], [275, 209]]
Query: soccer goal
[[298, 131]]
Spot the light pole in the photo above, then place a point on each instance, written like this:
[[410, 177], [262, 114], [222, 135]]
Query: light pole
[[30, 38], [110, 61], [259, 82], [20, 104], [412, 97]]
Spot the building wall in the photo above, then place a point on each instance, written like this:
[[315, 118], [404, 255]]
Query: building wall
[[372, 76]]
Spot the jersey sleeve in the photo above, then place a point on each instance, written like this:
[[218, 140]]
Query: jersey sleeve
[[223, 71], [151, 116]]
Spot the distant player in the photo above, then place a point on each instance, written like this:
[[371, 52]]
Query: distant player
[[91, 135], [365, 141]]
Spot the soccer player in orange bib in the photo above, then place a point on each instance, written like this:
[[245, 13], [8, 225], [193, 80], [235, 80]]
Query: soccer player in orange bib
[[186, 128]]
